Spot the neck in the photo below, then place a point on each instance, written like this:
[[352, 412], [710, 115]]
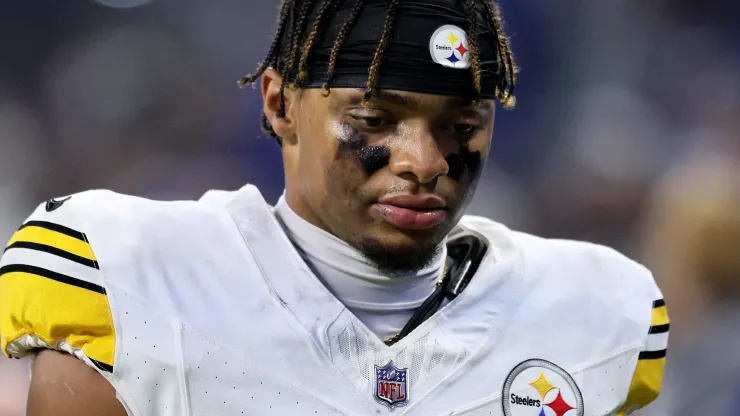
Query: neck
[[383, 303]]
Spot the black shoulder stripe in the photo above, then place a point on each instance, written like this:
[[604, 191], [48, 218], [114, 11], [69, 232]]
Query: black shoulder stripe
[[652, 355], [658, 303], [55, 251], [24, 268], [659, 329], [103, 366], [55, 227]]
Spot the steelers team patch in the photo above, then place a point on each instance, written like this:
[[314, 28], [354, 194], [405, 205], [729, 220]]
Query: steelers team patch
[[449, 47], [540, 388]]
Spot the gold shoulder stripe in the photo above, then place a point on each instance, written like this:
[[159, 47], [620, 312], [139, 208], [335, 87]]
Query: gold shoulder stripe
[[54, 239], [645, 386], [648, 376], [659, 316], [42, 305]]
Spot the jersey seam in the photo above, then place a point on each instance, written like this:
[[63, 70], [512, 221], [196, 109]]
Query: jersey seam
[[91, 252], [109, 312], [182, 376], [273, 293], [607, 357], [276, 299]]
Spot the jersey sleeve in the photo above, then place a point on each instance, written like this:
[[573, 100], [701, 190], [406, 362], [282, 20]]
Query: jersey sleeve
[[647, 378], [51, 290]]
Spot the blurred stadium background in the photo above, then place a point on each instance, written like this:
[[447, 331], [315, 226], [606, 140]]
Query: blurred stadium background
[[626, 133]]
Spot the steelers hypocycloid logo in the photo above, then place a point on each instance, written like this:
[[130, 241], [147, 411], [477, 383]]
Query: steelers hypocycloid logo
[[449, 47], [541, 388]]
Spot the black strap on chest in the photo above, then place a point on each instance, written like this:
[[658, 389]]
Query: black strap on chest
[[464, 255]]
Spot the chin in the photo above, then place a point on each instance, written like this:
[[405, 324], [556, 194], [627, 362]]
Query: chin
[[399, 252]]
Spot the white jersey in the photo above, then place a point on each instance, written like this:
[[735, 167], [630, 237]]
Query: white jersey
[[205, 308]]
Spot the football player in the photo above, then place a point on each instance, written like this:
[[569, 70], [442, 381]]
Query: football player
[[365, 290]]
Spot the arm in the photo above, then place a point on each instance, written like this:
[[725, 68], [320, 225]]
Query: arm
[[53, 303], [62, 385]]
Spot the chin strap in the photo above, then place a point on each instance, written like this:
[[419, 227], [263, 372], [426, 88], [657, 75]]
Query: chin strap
[[464, 255]]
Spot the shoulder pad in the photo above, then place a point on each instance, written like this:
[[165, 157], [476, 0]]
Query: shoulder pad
[[51, 291]]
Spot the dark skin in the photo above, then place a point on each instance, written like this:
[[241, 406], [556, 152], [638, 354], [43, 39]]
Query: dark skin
[[341, 157]]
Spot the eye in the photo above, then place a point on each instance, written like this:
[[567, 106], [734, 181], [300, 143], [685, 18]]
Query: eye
[[370, 122], [465, 129]]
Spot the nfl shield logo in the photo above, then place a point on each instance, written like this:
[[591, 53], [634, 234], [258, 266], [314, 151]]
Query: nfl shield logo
[[391, 385]]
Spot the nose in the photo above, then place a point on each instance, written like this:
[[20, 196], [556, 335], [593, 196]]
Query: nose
[[417, 154]]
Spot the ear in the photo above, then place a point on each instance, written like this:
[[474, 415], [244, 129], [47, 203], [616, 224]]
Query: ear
[[270, 85]]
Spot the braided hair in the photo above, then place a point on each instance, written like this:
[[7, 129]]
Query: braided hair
[[291, 30]]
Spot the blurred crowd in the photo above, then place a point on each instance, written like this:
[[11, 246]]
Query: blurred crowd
[[626, 133]]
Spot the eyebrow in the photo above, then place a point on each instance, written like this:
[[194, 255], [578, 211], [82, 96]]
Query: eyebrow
[[402, 100]]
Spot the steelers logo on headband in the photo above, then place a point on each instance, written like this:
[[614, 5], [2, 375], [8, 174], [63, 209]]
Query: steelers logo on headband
[[449, 47]]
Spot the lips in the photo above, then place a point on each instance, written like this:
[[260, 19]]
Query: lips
[[412, 212]]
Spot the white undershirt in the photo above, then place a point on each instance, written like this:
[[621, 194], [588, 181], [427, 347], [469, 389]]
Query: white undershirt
[[384, 304]]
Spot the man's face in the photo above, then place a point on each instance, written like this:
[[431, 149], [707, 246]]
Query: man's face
[[391, 179]]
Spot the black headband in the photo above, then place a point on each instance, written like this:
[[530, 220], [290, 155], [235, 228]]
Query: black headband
[[428, 52]]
